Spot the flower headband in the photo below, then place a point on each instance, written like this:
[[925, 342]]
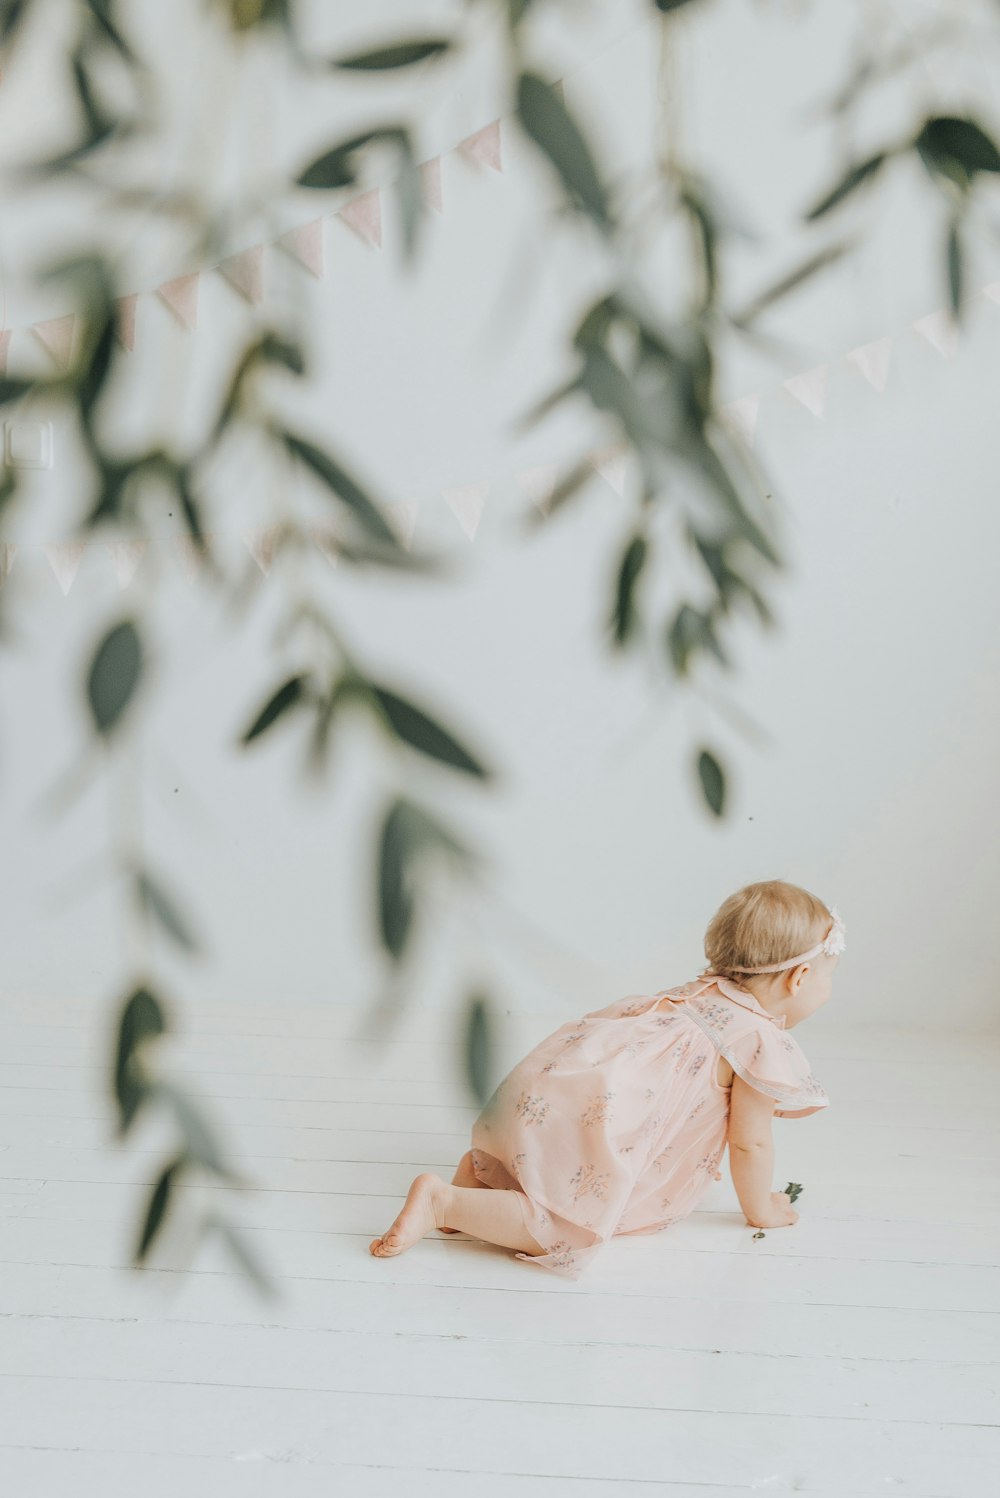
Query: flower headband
[[832, 944]]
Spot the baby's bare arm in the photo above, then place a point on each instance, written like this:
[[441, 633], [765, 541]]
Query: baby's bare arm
[[751, 1148], [752, 1167]]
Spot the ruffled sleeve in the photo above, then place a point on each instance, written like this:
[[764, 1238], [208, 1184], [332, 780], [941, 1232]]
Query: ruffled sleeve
[[774, 1063]]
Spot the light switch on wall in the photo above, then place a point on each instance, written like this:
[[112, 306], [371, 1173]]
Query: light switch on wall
[[27, 444]]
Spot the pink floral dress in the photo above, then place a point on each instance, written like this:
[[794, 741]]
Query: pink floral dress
[[616, 1123]]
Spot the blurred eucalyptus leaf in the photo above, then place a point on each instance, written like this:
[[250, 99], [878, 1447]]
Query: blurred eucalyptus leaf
[[114, 676], [713, 781], [400, 55]]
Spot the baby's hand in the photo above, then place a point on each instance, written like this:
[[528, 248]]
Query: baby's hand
[[780, 1215]]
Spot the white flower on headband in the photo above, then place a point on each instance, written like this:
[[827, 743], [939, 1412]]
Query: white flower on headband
[[833, 943]]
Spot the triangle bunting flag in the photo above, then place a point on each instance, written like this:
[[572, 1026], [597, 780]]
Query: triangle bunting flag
[[64, 559], [181, 296], [939, 330], [57, 336], [809, 388], [125, 558], [466, 504], [305, 245], [872, 361], [484, 147], [611, 463], [364, 215], [245, 273]]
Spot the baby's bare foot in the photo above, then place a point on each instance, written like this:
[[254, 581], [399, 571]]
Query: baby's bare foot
[[415, 1220]]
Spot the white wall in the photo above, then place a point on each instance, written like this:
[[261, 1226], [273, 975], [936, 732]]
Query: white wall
[[873, 783]]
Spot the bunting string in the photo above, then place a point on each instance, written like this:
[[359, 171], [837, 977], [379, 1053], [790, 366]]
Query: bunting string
[[244, 271]]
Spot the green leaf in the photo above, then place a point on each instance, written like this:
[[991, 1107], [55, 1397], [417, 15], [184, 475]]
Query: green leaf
[[568, 487], [862, 172], [792, 1190], [236, 1242], [201, 1144], [101, 11], [955, 266], [956, 148], [371, 552], [337, 166], [789, 282], [478, 1046], [734, 511], [158, 1200], [12, 390], [691, 630], [548, 403], [713, 781], [114, 675], [395, 901], [632, 562], [318, 750], [345, 487], [154, 899], [422, 732], [98, 368], [553, 129], [12, 16], [411, 202], [669, 5], [141, 1019], [290, 694], [408, 831], [400, 55], [277, 349]]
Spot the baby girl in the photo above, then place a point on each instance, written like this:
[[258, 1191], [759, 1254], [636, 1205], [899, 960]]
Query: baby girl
[[617, 1122]]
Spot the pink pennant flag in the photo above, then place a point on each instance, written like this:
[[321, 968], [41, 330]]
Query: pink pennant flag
[[484, 147], [405, 513], [305, 244], [325, 536], [466, 504], [364, 215], [125, 558], [4, 346], [939, 330], [260, 542], [57, 336], [809, 388], [245, 272], [64, 559], [872, 361], [430, 183], [181, 296], [125, 321], [611, 463], [539, 483], [190, 555], [8, 550], [742, 414], [992, 291]]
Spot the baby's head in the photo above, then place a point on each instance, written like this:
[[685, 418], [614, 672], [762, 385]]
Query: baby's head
[[767, 923]]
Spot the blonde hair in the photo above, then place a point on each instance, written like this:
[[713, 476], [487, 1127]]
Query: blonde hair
[[764, 923]]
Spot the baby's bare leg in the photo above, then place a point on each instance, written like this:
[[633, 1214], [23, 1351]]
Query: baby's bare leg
[[465, 1176], [493, 1216]]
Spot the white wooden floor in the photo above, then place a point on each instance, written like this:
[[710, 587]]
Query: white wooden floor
[[855, 1354]]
